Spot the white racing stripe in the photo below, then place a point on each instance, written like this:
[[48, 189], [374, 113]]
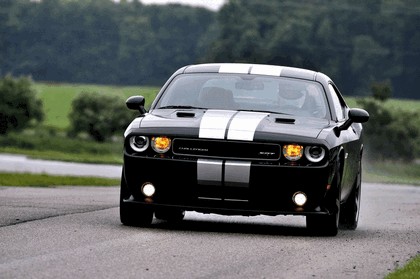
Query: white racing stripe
[[268, 70], [209, 172], [238, 125], [232, 125], [244, 124], [214, 123], [237, 173], [235, 68]]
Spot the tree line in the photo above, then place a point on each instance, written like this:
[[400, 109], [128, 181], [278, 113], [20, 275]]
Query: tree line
[[128, 43]]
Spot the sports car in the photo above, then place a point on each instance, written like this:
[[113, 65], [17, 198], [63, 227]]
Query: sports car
[[244, 139]]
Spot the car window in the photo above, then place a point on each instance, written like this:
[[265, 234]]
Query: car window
[[246, 92], [338, 106]]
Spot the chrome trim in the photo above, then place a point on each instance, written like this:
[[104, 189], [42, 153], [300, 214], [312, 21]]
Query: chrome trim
[[236, 200], [134, 146], [210, 199]]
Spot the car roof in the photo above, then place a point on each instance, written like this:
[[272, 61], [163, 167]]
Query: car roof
[[258, 69]]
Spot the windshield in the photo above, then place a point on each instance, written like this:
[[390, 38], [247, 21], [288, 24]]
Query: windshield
[[245, 92]]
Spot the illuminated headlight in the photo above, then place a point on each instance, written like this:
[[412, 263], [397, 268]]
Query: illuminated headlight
[[139, 143], [161, 144], [292, 152], [314, 154]]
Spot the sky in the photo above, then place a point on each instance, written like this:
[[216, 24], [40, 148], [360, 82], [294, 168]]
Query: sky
[[210, 4]]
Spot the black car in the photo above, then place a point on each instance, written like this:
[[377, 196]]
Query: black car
[[244, 139]]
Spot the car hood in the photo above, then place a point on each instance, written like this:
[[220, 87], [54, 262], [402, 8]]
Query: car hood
[[227, 124]]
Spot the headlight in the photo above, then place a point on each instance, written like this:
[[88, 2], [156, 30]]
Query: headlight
[[161, 144], [139, 143], [314, 154], [293, 152]]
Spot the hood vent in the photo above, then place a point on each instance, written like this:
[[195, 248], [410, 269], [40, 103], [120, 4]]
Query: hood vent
[[185, 114], [285, 120]]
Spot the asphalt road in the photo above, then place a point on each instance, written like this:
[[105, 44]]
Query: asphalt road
[[75, 232]]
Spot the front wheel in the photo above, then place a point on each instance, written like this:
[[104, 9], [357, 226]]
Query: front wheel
[[135, 215], [328, 224], [349, 217]]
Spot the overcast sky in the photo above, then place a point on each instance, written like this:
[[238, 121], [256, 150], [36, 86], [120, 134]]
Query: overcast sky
[[210, 4]]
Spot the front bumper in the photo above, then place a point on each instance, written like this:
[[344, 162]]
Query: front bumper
[[226, 187]]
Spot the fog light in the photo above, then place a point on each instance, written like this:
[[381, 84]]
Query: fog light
[[148, 190], [299, 198]]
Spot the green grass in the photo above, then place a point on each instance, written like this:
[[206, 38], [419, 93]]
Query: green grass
[[108, 158], [391, 172], [394, 104], [410, 271], [44, 180], [40, 143], [57, 98]]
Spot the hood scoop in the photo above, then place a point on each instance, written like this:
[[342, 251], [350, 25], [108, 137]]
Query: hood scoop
[[285, 120], [185, 114]]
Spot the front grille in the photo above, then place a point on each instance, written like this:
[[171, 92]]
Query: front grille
[[226, 149]]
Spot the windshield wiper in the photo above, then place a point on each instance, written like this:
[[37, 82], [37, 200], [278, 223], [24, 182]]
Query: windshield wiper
[[267, 111], [179, 107]]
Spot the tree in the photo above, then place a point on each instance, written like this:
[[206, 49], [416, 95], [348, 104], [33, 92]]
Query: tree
[[100, 116], [19, 106], [389, 134], [126, 42], [381, 91]]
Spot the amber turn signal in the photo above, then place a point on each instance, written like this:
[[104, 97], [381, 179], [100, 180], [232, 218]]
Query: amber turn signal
[[292, 152]]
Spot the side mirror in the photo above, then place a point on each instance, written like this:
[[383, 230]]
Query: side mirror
[[358, 115], [355, 116], [136, 103]]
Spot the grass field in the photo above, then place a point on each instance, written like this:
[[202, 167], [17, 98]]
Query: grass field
[[407, 105], [57, 98], [45, 180], [410, 271]]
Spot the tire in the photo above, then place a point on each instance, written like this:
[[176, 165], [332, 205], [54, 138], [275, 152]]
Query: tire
[[349, 217], [133, 214], [323, 225], [170, 215], [327, 225]]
